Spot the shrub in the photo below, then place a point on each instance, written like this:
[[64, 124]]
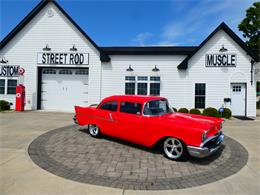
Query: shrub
[[195, 111], [183, 110], [226, 113], [258, 104], [174, 109], [211, 112], [4, 105]]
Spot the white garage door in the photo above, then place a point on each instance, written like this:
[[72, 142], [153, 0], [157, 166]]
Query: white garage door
[[62, 89]]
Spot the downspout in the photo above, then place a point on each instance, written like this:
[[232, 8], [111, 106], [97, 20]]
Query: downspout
[[100, 92], [252, 71]]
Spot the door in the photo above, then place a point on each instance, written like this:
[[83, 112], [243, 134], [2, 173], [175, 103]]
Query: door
[[131, 125], [62, 89], [238, 99]]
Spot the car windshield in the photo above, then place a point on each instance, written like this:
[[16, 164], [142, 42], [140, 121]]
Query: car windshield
[[157, 107]]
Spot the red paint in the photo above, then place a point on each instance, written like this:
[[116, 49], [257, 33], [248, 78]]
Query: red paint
[[20, 98], [147, 130]]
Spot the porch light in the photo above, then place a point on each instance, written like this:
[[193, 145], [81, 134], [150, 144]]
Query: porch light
[[130, 69], [155, 69], [73, 48], [222, 49], [4, 61]]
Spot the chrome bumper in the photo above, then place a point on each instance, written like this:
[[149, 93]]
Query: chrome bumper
[[206, 149]]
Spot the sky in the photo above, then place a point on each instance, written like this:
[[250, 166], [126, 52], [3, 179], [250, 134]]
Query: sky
[[139, 23]]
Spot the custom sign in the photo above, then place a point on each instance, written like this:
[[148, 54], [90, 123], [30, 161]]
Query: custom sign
[[9, 71], [220, 60], [63, 58]]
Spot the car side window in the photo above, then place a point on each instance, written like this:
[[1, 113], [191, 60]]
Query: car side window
[[110, 106], [130, 107]]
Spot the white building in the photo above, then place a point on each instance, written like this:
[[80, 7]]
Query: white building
[[64, 67]]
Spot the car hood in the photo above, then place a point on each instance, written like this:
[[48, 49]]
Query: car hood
[[199, 122]]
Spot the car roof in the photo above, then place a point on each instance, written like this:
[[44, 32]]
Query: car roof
[[132, 98]]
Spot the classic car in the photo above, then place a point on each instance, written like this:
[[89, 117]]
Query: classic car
[[149, 120]]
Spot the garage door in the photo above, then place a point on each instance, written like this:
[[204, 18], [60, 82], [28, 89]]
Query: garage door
[[63, 88]]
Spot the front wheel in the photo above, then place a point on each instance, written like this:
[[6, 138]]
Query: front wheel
[[94, 130], [174, 149]]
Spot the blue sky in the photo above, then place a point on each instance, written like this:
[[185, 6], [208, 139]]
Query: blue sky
[[138, 23]]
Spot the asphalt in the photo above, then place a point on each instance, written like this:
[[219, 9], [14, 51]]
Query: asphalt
[[20, 175]]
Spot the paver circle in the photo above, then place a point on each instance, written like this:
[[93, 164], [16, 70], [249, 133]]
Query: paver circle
[[70, 152]]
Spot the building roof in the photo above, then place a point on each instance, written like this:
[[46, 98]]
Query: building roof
[[159, 50], [184, 64], [103, 56]]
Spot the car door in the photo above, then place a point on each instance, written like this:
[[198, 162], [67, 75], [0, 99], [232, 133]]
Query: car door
[[131, 125], [106, 117]]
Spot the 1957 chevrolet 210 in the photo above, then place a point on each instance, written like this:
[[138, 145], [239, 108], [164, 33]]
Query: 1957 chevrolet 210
[[147, 120]]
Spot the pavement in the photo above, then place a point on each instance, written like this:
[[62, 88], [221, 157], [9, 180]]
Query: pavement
[[20, 175]]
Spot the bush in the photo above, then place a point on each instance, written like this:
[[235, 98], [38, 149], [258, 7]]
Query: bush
[[258, 104], [211, 112], [183, 110], [226, 113], [174, 109], [195, 111], [4, 105]]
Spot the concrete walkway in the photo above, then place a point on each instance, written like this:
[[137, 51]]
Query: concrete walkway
[[19, 175]]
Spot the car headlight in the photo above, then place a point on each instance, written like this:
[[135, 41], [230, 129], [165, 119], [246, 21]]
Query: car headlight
[[204, 136]]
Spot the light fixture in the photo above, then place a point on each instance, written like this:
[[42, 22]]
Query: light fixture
[[73, 48], [222, 49], [155, 69], [4, 61], [46, 48], [130, 69]]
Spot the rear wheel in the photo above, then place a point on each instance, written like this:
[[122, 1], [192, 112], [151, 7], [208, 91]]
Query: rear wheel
[[94, 130], [174, 149]]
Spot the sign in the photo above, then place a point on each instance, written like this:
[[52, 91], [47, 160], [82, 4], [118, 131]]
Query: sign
[[63, 58], [9, 71], [220, 60]]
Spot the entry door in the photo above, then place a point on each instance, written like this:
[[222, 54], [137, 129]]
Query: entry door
[[238, 99], [62, 89]]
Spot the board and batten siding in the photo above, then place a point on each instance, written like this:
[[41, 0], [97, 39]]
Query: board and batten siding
[[60, 34], [179, 85]]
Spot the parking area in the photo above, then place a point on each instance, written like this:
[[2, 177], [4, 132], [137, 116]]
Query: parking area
[[20, 175]]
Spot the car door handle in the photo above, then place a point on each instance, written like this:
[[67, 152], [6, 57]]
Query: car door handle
[[111, 117]]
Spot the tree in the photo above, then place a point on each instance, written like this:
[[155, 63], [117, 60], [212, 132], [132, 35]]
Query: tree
[[250, 26]]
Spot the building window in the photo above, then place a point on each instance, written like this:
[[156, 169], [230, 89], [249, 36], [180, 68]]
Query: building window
[[130, 107], [200, 95], [49, 71], [11, 86], [81, 72], [110, 106], [2, 86], [130, 85], [155, 85], [66, 71], [142, 85]]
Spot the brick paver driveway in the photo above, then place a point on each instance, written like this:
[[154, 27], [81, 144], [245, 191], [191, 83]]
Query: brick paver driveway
[[71, 153]]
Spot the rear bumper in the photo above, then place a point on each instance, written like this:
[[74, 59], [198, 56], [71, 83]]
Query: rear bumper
[[207, 148]]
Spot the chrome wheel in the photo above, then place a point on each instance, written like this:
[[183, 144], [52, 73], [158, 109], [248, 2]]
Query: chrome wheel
[[94, 130], [173, 148]]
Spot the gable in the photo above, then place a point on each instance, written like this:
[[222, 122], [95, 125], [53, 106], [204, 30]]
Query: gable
[[222, 27]]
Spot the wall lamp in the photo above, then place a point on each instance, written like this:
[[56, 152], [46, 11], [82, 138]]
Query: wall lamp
[[73, 48], [4, 61], [46, 48], [129, 69], [155, 69], [222, 49]]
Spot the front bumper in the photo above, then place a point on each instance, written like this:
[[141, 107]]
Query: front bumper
[[210, 146]]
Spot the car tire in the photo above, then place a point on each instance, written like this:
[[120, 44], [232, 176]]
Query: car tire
[[174, 149], [94, 131]]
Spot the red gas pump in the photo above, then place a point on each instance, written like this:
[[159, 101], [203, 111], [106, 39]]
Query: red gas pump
[[20, 98]]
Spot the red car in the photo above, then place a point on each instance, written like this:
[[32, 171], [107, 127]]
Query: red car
[[147, 120]]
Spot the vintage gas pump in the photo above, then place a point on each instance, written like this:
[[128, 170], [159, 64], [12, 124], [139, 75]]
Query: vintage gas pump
[[20, 92], [20, 98]]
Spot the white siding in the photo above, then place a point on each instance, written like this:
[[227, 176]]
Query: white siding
[[60, 35], [179, 86]]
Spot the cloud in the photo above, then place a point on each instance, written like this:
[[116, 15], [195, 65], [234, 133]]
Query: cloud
[[141, 38]]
